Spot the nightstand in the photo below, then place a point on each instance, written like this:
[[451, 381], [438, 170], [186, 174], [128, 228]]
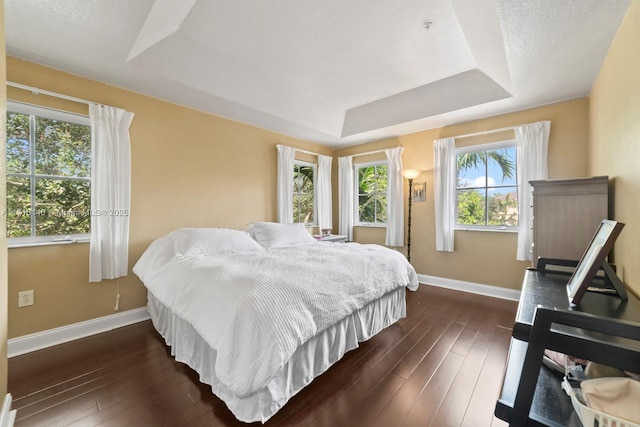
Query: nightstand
[[333, 238]]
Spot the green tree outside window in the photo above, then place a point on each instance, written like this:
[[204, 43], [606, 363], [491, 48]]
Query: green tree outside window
[[48, 176], [480, 200]]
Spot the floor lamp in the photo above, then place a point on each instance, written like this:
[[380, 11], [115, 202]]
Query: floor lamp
[[410, 174]]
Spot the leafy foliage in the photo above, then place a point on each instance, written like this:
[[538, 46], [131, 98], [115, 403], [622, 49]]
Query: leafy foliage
[[372, 193], [303, 203], [471, 207], [478, 160], [51, 196]]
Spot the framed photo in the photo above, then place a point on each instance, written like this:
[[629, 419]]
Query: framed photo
[[419, 192], [592, 260]]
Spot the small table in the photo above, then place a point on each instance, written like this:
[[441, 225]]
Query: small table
[[333, 238]]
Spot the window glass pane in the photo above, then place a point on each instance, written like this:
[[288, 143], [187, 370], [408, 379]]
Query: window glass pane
[[304, 179], [303, 194], [372, 194], [502, 166], [381, 208], [381, 179], [471, 169], [63, 207], [366, 208], [62, 149], [17, 143], [303, 208], [503, 206], [471, 207], [18, 207]]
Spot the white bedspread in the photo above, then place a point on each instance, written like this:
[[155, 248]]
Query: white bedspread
[[256, 308]]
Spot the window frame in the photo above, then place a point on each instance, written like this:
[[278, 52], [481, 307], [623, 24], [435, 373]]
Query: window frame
[[314, 166], [356, 210], [509, 143], [51, 114]]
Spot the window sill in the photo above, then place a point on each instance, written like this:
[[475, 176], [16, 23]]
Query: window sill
[[370, 225], [61, 241], [490, 229]]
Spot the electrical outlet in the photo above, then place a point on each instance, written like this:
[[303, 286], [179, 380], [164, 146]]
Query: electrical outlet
[[25, 298]]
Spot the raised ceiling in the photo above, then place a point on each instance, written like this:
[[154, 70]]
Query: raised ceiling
[[333, 72]]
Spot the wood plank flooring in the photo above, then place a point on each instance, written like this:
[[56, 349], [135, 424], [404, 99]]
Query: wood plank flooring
[[441, 366]]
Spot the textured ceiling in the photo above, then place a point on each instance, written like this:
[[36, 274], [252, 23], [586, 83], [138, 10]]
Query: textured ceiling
[[334, 72]]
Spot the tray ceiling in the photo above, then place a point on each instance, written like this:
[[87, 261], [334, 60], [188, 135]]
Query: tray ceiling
[[333, 72]]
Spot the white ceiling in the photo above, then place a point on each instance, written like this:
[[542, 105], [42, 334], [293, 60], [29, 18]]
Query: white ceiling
[[334, 72]]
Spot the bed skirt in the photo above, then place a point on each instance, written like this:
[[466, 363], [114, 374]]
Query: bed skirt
[[310, 360]]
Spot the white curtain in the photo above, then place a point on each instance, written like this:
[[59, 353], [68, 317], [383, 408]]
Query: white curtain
[[395, 198], [325, 213], [444, 182], [286, 158], [532, 142], [346, 196], [110, 192]]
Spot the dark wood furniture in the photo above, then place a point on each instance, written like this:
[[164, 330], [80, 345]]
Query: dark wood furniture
[[603, 328]]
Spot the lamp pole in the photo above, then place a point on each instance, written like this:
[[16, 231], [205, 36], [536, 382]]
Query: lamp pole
[[410, 175], [409, 221]]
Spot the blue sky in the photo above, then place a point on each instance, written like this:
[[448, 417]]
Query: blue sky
[[476, 177]]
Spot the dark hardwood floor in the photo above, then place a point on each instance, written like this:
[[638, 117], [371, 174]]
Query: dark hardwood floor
[[441, 366]]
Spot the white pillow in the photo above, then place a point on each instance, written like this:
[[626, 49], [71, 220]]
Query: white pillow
[[157, 255], [212, 241], [273, 234]]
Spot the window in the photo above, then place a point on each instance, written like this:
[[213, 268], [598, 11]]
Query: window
[[487, 192], [372, 193], [48, 174], [304, 184]]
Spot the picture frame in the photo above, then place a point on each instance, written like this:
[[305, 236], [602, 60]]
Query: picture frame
[[419, 192], [595, 254]]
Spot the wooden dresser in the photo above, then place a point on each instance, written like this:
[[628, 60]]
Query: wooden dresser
[[566, 214]]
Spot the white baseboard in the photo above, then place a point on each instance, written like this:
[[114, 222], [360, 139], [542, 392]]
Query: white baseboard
[[51, 337], [474, 288]]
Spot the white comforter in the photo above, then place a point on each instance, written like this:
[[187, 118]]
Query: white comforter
[[256, 308]]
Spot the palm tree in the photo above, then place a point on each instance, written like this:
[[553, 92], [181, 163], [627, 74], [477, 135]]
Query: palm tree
[[478, 159]]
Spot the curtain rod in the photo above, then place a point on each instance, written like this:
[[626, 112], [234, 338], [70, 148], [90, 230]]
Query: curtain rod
[[37, 91], [486, 132]]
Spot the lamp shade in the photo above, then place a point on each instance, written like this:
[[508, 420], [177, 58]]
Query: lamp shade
[[411, 173]]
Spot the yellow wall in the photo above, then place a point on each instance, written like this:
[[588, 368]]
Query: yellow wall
[[615, 138], [3, 224], [189, 169], [481, 257]]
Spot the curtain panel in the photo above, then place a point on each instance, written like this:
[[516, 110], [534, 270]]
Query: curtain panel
[[110, 192], [444, 182], [286, 158], [325, 213], [346, 196], [532, 142], [395, 198]]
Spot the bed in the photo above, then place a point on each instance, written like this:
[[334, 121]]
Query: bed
[[259, 314]]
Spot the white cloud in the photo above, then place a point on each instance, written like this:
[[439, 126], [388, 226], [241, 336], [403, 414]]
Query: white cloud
[[480, 182]]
